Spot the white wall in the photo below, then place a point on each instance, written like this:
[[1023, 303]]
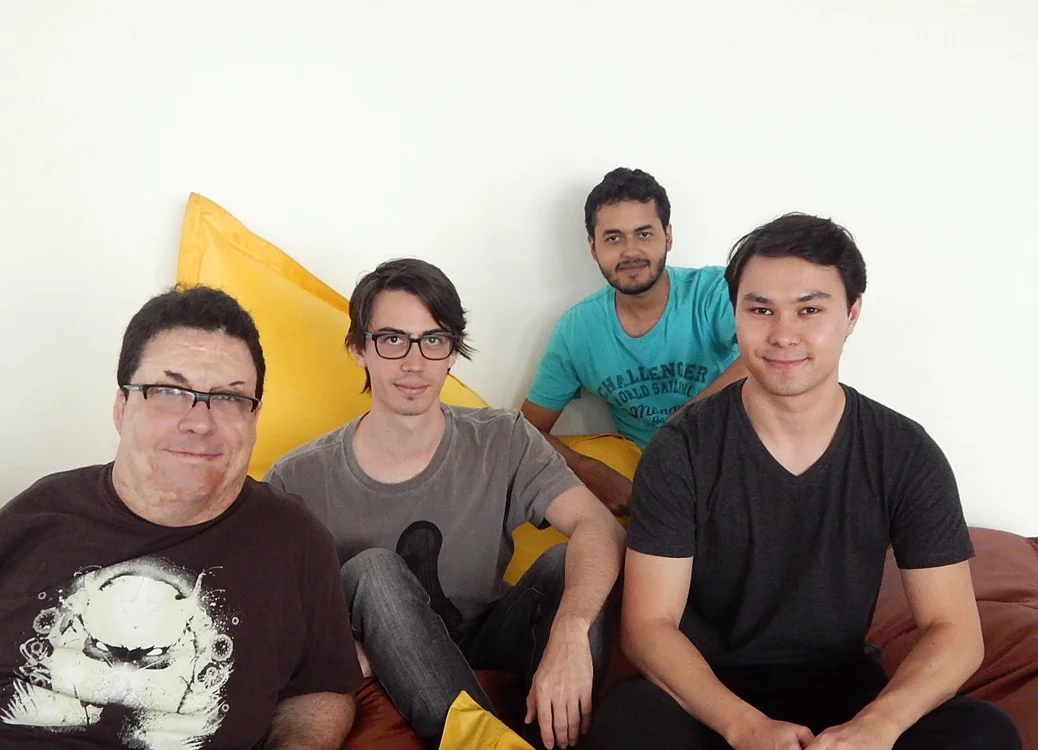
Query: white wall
[[469, 134]]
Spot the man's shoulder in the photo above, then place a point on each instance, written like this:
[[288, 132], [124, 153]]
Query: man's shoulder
[[592, 306], [281, 510], [56, 486], [315, 450], [697, 426], [883, 421], [483, 421]]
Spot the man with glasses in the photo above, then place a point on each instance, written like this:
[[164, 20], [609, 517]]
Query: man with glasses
[[165, 599], [422, 497]]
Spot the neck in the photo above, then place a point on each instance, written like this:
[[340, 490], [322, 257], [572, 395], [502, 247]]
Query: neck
[[170, 508], [802, 417], [398, 436]]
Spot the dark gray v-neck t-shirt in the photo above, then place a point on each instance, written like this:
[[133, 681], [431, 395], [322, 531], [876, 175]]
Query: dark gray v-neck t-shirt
[[787, 569], [453, 521]]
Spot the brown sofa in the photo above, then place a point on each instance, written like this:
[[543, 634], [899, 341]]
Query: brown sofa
[[1005, 576]]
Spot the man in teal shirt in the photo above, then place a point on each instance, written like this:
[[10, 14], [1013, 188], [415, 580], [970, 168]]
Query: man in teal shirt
[[653, 340]]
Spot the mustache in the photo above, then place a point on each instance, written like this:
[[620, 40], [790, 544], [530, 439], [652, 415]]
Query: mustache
[[631, 262]]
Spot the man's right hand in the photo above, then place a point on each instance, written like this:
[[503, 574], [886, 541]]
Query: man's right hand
[[768, 734], [612, 488]]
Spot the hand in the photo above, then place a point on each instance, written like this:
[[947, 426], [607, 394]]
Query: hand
[[362, 657], [861, 733], [612, 488], [768, 734], [560, 696]]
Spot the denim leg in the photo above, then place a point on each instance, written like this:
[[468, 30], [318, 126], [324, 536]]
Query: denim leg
[[512, 637], [420, 667]]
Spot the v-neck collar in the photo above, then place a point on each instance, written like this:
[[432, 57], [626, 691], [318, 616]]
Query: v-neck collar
[[766, 457]]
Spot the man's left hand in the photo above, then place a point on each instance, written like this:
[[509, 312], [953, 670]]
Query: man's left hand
[[860, 733], [560, 696]]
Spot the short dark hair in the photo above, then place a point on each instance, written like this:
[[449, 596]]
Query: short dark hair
[[199, 307], [797, 235], [426, 282], [623, 184]]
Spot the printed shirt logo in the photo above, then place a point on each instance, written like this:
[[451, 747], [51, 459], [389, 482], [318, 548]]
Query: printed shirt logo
[[665, 387], [144, 635]]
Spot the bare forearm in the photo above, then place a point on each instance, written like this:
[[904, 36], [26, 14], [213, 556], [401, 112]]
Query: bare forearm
[[667, 658], [320, 721], [588, 470], [594, 557], [933, 671]]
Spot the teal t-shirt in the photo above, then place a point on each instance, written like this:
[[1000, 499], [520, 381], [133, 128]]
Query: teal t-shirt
[[646, 379]]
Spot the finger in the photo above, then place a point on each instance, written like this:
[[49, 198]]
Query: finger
[[560, 714], [585, 713], [573, 722], [531, 708], [544, 721], [805, 736]]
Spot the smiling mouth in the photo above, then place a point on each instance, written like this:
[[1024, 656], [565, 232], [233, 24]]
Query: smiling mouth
[[194, 455], [784, 364], [411, 389]]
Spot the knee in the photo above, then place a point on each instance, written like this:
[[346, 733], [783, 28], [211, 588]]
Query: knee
[[376, 569]]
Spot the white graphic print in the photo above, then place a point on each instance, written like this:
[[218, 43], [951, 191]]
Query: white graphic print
[[144, 635]]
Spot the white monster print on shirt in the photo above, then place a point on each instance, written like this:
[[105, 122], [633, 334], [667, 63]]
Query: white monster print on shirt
[[143, 635]]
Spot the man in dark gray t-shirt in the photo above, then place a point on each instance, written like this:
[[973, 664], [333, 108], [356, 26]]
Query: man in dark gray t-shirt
[[786, 489], [422, 499]]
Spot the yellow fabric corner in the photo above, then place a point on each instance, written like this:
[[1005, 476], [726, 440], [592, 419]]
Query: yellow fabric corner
[[614, 451], [471, 727], [312, 384]]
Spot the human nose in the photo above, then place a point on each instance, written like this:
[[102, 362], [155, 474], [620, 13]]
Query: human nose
[[199, 418], [784, 331], [414, 359]]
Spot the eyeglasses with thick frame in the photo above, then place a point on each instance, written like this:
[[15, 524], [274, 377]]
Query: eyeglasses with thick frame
[[179, 398], [428, 342]]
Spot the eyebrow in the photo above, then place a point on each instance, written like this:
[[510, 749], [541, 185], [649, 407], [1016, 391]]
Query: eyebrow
[[642, 228], [402, 332], [177, 377], [809, 297]]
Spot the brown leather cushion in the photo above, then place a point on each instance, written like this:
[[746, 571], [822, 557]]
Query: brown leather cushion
[[1005, 577]]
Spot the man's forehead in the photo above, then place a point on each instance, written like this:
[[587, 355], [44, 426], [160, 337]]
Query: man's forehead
[[183, 350], [626, 215]]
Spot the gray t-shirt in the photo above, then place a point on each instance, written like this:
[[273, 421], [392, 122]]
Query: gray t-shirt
[[452, 523]]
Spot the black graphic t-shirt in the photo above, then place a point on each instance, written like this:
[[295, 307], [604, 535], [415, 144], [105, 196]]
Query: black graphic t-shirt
[[117, 632], [787, 568]]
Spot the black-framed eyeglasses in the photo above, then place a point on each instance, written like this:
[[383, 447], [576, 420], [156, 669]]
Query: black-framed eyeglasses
[[434, 345], [175, 399]]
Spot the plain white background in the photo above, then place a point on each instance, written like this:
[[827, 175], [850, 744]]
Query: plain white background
[[468, 133]]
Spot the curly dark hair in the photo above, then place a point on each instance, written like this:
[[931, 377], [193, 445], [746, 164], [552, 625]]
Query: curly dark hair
[[623, 184]]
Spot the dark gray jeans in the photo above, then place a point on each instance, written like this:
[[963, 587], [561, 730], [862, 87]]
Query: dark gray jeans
[[423, 668]]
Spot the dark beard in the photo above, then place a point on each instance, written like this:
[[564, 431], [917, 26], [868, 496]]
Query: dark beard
[[639, 287]]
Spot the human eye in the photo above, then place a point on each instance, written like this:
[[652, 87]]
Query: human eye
[[393, 339], [170, 392], [810, 311], [760, 311], [645, 234], [434, 339], [225, 398]]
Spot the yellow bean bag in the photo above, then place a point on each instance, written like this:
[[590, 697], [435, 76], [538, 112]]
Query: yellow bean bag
[[312, 384], [471, 727]]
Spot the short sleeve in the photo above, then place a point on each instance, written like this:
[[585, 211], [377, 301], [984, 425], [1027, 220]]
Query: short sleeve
[[555, 383], [328, 663], [538, 475], [663, 519], [716, 312], [927, 528]]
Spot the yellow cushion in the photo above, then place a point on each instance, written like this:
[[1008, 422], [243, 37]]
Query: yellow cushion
[[614, 451], [471, 727], [312, 383]]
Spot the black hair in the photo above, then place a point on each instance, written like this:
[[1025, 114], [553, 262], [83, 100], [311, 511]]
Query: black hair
[[426, 282], [199, 307], [797, 235], [621, 185]]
